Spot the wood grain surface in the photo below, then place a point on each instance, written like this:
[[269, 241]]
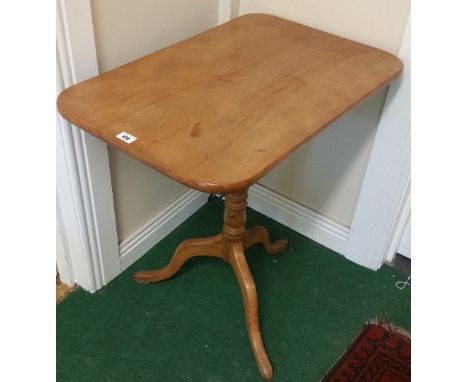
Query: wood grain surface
[[217, 111]]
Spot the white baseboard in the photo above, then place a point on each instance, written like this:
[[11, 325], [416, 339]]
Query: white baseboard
[[141, 241], [294, 215], [315, 226]]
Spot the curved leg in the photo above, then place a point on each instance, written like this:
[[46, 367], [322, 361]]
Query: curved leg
[[210, 246], [249, 293], [259, 234], [229, 246]]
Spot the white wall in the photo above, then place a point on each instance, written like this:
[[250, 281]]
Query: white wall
[[126, 30], [326, 174], [379, 23]]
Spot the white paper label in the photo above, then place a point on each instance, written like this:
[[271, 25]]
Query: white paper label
[[126, 137]]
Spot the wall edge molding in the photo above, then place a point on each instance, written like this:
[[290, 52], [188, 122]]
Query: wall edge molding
[[300, 218], [159, 226]]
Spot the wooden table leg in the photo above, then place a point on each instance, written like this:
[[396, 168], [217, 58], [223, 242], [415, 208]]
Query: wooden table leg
[[210, 246], [230, 246], [259, 234], [249, 294], [233, 237]]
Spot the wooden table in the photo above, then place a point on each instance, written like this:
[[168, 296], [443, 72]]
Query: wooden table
[[218, 111]]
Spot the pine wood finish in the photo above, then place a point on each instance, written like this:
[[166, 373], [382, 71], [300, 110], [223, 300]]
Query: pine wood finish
[[219, 110], [229, 246]]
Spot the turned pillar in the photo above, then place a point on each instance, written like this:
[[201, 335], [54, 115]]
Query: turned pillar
[[235, 205]]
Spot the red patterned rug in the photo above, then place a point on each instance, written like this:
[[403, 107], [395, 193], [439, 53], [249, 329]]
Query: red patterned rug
[[381, 353]]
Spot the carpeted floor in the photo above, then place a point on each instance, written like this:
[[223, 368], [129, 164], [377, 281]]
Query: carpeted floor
[[312, 303]]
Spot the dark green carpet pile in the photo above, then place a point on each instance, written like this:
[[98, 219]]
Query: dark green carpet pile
[[312, 304]]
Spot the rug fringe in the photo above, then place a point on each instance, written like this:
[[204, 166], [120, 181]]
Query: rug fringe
[[384, 323]]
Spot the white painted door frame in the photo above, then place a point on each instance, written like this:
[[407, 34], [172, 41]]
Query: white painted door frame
[[88, 252], [87, 245], [383, 205], [404, 246]]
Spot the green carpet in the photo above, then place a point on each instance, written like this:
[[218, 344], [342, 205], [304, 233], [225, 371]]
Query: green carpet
[[312, 303]]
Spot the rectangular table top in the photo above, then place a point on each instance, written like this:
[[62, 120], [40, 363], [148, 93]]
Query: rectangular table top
[[218, 111]]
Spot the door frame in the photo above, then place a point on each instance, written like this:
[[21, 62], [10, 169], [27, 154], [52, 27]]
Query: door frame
[[383, 205], [87, 244]]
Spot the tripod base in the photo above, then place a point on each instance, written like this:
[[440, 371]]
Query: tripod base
[[229, 246]]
